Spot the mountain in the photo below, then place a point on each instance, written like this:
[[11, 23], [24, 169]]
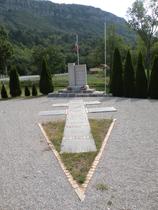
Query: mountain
[[45, 17], [38, 28]]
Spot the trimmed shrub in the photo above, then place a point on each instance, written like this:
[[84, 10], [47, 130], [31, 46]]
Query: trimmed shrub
[[14, 83], [153, 86], [27, 91], [141, 90], [34, 90], [4, 92], [45, 83], [116, 78], [129, 78]]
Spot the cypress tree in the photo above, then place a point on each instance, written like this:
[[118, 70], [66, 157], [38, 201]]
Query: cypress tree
[[141, 79], [129, 79], [27, 91], [116, 77], [4, 92], [34, 90], [45, 84], [153, 86], [14, 83]]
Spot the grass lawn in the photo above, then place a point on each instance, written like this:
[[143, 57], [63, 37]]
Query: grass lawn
[[96, 81], [78, 164]]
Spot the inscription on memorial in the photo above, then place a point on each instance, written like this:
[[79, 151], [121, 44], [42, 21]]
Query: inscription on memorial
[[77, 75]]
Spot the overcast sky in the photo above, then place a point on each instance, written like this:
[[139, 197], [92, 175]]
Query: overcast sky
[[116, 7]]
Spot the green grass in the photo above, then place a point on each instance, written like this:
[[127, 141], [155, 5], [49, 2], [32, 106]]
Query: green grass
[[101, 187], [55, 132], [96, 81], [99, 129], [78, 164]]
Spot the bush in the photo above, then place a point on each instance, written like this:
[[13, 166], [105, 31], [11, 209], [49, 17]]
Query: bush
[[4, 92], [45, 84], [129, 78], [141, 79], [27, 91], [153, 86], [14, 83], [34, 90], [116, 78]]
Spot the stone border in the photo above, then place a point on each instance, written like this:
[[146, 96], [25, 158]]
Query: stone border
[[74, 184], [97, 158], [80, 190]]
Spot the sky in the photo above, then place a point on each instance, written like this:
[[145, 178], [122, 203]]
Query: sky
[[116, 7]]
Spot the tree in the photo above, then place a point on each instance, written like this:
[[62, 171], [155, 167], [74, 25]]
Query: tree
[[45, 84], [34, 90], [141, 80], [27, 91], [53, 56], [5, 50], [139, 47], [143, 18], [113, 40], [154, 50], [4, 92], [153, 86], [129, 80], [14, 83], [116, 79]]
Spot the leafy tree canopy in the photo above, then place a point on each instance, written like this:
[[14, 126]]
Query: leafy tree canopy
[[143, 18]]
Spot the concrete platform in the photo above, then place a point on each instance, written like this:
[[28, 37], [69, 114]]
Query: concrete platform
[[85, 103], [94, 94]]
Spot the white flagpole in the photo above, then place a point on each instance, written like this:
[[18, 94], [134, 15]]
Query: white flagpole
[[77, 48], [105, 54]]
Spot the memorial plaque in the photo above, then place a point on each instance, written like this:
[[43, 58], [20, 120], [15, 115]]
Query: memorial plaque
[[81, 75], [77, 75]]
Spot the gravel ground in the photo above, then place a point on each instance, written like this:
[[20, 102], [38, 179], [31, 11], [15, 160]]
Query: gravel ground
[[31, 178]]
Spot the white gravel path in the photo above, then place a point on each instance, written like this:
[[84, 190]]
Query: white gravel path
[[31, 179]]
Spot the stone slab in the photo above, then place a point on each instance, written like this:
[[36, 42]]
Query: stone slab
[[60, 105], [77, 75], [101, 109], [77, 133], [53, 112], [85, 103], [69, 95], [92, 102]]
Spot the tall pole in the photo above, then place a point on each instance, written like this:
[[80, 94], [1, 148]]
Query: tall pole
[[105, 52], [77, 50]]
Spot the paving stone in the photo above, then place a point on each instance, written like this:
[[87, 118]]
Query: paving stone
[[77, 134], [92, 102], [52, 112], [101, 109], [60, 105]]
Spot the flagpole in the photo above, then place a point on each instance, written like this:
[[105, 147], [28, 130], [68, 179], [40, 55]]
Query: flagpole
[[77, 49], [105, 52]]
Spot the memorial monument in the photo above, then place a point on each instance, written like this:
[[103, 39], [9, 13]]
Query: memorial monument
[[77, 77], [78, 85]]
